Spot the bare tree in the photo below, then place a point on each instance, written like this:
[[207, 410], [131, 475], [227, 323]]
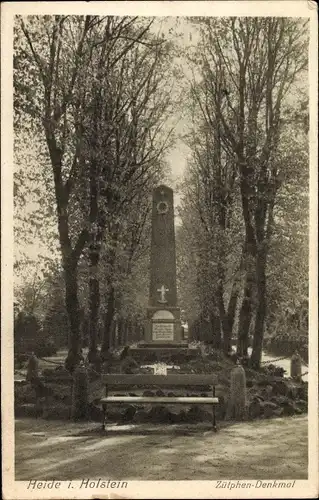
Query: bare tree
[[250, 65], [58, 61], [125, 141]]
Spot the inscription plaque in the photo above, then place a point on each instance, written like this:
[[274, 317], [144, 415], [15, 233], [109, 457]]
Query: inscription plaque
[[163, 331]]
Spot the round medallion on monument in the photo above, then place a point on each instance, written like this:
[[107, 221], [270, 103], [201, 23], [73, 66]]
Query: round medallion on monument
[[162, 207]]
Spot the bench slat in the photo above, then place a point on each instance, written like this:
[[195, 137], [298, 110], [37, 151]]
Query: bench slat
[[142, 379], [159, 399]]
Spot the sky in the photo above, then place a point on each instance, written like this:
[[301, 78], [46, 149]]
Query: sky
[[177, 156]]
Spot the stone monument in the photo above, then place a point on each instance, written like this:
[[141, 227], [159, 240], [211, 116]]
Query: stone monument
[[163, 329], [163, 323]]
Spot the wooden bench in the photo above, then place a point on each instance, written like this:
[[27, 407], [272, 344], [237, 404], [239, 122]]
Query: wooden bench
[[197, 383]]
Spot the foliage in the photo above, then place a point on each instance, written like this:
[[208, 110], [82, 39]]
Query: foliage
[[129, 365], [55, 324], [29, 336], [45, 346], [26, 332], [288, 254], [286, 343]]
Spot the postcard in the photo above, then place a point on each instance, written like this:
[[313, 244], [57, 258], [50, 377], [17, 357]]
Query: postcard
[[159, 249]]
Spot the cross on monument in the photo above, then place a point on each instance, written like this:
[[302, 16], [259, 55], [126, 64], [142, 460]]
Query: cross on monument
[[162, 291]]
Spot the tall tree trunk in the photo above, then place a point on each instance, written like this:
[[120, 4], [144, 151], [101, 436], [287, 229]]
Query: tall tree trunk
[[114, 333], [216, 330], [85, 330], [126, 329], [231, 310], [70, 257], [111, 336], [121, 331], [129, 334], [95, 243], [223, 320], [110, 309], [94, 304], [232, 304], [264, 228], [245, 317], [247, 307], [134, 331], [261, 309], [141, 332], [193, 333], [72, 307]]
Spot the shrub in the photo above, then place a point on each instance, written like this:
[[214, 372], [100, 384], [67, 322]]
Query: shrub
[[56, 324], [129, 365], [286, 343], [45, 347], [26, 332]]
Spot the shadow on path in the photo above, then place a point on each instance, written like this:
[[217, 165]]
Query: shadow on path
[[275, 449]]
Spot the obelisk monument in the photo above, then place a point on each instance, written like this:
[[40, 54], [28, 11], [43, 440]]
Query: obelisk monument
[[163, 323]]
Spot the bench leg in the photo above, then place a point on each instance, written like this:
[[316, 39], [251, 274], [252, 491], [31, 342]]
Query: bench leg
[[214, 420], [214, 412], [104, 418]]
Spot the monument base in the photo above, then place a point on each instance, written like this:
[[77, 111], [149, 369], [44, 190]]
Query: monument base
[[163, 345], [162, 353], [163, 339], [163, 325]]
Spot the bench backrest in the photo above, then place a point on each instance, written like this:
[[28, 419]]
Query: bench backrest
[[142, 380]]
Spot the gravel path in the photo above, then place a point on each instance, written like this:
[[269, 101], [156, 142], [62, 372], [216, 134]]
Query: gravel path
[[275, 449]]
